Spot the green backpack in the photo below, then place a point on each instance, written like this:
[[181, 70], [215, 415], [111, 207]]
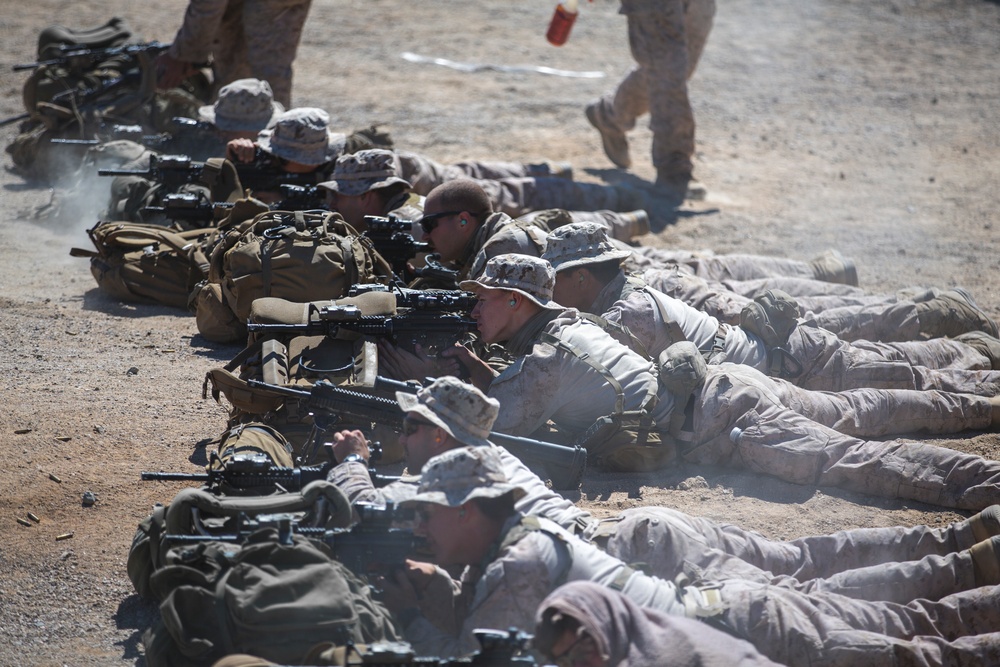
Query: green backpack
[[271, 600]]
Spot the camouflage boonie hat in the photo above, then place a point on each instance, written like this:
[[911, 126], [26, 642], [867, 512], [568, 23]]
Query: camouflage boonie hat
[[302, 135], [530, 276], [458, 407], [459, 475], [580, 243], [358, 173], [244, 105]]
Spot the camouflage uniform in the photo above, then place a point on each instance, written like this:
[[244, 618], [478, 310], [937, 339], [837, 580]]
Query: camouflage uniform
[[656, 321], [245, 38], [652, 638], [497, 235], [669, 540], [531, 557], [666, 38], [737, 418], [426, 174], [894, 564], [829, 267], [851, 317]]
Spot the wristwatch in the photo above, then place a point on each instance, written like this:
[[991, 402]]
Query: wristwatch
[[350, 458]]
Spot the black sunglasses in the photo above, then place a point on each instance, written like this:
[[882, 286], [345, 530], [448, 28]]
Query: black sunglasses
[[412, 425], [429, 222]]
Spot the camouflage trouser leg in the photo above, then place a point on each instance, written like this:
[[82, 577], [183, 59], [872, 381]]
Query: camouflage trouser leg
[[666, 42], [749, 267], [889, 321], [933, 353], [772, 439], [274, 27], [517, 196], [871, 564], [832, 364], [425, 174], [697, 293], [229, 53], [819, 628], [873, 413], [618, 227], [803, 287]]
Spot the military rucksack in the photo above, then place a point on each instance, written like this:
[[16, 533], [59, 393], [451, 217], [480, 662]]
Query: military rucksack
[[146, 263], [269, 599], [192, 509], [295, 255]]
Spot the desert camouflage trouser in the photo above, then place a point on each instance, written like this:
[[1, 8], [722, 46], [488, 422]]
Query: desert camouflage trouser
[[740, 421], [425, 174], [667, 39], [851, 317], [274, 28], [894, 564], [824, 363], [836, 631]]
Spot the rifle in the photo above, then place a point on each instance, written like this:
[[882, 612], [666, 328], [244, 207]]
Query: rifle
[[134, 133], [74, 57], [431, 329], [265, 173], [458, 301], [301, 198], [562, 464], [497, 648], [15, 118], [392, 238], [198, 209], [188, 207], [436, 272], [174, 171], [245, 474], [371, 544]]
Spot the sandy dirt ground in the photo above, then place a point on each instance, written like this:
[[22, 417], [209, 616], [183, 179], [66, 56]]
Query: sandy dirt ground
[[873, 128]]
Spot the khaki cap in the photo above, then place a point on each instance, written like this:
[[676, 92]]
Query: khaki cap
[[530, 276], [242, 106], [459, 475], [466, 413], [580, 243], [358, 173], [302, 135]]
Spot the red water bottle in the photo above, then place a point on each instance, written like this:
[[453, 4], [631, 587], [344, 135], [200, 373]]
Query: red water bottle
[[562, 22]]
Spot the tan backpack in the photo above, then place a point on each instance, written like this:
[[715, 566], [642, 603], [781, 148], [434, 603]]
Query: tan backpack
[[146, 263], [294, 255]]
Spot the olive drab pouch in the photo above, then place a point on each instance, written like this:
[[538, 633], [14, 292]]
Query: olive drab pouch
[[682, 369], [773, 316], [146, 263]]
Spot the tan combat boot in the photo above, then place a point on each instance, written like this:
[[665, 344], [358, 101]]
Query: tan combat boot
[[613, 140], [550, 169], [832, 267], [633, 223], [986, 524], [986, 562], [984, 344], [953, 313]]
